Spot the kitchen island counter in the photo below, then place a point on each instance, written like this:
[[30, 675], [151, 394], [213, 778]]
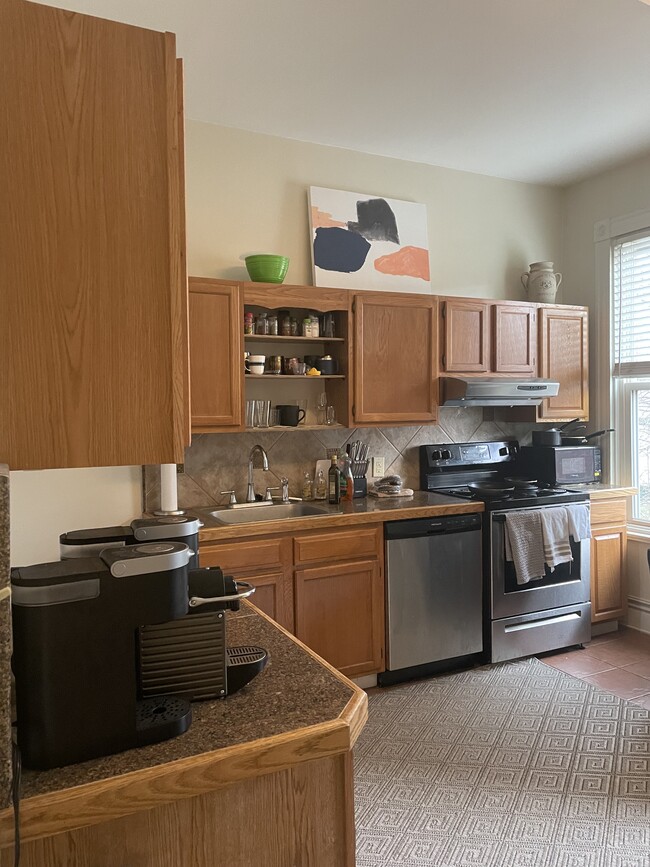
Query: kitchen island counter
[[282, 743]]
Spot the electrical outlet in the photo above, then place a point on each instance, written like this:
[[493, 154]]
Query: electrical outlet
[[378, 467]]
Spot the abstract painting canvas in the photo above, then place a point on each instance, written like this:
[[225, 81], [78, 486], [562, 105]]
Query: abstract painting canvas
[[368, 242]]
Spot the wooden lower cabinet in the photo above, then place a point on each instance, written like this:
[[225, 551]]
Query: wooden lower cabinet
[[327, 588], [340, 614], [608, 559]]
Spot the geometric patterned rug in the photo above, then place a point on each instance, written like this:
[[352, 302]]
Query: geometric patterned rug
[[510, 765]]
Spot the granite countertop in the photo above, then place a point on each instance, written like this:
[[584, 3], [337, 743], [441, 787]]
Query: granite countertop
[[295, 690], [365, 510]]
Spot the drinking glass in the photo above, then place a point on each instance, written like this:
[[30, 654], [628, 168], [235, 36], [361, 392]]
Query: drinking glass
[[262, 413], [321, 407], [330, 415], [250, 413]]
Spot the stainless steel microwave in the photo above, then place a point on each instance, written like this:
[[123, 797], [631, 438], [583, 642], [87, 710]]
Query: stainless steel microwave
[[562, 465]]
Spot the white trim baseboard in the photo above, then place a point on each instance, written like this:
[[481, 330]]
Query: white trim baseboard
[[638, 614]]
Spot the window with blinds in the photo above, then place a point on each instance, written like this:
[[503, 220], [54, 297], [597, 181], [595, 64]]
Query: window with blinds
[[631, 289]]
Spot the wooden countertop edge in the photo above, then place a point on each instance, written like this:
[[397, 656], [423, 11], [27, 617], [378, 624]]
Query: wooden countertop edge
[[613, 493], [291, 525], [114, 797]]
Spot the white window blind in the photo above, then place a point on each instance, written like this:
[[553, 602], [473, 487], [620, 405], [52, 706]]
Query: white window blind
[[631, 284]]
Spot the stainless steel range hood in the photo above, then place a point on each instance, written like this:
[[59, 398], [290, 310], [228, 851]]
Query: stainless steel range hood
[[493, 391]]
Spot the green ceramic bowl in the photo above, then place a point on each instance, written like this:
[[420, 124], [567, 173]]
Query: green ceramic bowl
[[266, 268]]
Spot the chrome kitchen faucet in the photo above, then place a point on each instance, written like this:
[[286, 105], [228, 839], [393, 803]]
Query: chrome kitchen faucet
[[250, 490]]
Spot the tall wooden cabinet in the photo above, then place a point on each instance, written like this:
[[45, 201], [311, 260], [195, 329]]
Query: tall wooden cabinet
[[564, 356], [93, 331], [395, 358], [217, 344]]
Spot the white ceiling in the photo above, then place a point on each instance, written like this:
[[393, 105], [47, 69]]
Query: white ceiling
[[546, 91]]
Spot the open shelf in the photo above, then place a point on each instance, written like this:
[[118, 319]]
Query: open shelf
[[252, 377], [281, 338], [288, 427]]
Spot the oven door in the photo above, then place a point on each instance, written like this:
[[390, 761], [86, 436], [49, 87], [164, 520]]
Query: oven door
[[568, 584]]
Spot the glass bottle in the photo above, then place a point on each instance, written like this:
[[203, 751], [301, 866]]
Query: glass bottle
[[346, 475], [307, 487], [334, 482], [321, 486]]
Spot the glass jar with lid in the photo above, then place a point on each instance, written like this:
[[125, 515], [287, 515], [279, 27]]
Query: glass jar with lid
[[272, 319], [261, 324]]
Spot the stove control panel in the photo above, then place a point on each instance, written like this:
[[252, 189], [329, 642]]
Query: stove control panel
[[447, 463], [466, 455]]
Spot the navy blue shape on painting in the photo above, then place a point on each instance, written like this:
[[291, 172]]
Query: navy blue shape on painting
[[336, 249], [376, 221]]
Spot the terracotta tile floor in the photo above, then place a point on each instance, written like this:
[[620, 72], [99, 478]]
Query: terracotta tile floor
[[618, 662]]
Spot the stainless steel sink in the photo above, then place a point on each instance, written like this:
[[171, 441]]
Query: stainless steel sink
[[255, 514]]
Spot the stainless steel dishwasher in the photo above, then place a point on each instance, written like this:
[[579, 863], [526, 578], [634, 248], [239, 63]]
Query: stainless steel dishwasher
[[434, 595]]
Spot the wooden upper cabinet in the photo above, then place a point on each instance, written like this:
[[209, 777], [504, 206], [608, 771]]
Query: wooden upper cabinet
[[395, 358], [216, 354], [466, 331], [564, 357], [515, 339], [93, 331]]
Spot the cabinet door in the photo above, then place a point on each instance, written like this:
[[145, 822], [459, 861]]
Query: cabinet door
[[564, 356], [608, 590], [466, 327], [216, 355], [395, 352], [91, 247], [515, 339], [340, 614]]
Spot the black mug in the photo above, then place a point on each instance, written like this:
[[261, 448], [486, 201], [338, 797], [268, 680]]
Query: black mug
[[290, 414]]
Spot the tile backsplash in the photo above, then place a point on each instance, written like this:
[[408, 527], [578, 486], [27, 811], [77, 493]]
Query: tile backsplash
[[219, 462]]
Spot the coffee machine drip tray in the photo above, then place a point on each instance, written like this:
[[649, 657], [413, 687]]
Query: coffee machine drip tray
[[161, 717]]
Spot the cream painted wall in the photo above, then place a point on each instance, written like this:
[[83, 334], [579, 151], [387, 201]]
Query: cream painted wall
[[249, 192], [46, 503]]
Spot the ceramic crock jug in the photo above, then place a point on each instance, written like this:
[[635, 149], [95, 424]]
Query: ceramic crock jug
[[541, 282]]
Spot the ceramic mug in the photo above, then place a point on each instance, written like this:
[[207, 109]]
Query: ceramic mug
[[255, 364], [290, 414]]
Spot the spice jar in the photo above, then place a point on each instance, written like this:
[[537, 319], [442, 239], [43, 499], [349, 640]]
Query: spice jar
[[294, 327], [285, 323], [248, 323], [272, 319], [262, 324], [306, 327], [315, 328]]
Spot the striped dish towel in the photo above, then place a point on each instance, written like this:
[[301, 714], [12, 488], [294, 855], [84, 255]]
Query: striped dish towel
[[524, 544], [555, 532]]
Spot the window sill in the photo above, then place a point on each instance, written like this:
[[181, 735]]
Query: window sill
[[638, 533]]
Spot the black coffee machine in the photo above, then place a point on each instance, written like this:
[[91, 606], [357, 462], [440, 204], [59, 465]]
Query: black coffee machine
[[165, 528], [109, 650], [75, 629]]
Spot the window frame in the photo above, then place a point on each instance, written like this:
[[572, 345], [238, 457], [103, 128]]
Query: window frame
[[615, 394]]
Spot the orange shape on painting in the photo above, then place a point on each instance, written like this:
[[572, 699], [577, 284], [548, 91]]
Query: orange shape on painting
[[407, 262], [323, 220]]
